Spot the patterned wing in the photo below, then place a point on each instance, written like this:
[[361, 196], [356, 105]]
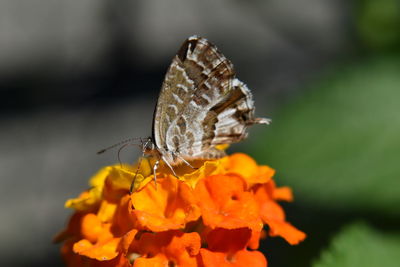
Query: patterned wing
[[201, 104]]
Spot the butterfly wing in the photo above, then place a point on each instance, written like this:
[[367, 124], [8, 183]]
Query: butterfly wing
[[201, 103]]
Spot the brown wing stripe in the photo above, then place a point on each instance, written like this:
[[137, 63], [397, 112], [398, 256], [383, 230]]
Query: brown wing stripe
[[233, 97]]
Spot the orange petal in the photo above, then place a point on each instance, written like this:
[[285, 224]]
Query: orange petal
[[290, 233], [224, 240], [209, 258], [247, 167], [283, 193], [169, 247], [273, 215], [183, 249], [101, 251], [250, 258], [254, 241], [224, 203], [91, 227], [119, 261], [156, 261], [271, 210], [270, 191], [76, 260], [123, 222], [126, 241], [239, 259], [169, 206]]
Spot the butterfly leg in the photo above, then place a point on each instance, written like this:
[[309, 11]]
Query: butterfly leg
[[185, 161], [139, 163], [136, 173], [170, 167], [155, 167]]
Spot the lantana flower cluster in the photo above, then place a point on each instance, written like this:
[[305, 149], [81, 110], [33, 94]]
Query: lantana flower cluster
[[210, 216]]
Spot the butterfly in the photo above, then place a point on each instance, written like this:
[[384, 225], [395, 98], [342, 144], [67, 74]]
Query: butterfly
[[201, 105]]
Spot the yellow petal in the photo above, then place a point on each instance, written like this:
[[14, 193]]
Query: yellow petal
[[90, 198], [106, 211], [207, 169]]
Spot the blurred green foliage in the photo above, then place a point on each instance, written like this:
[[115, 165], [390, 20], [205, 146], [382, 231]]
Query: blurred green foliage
[[378, 23], [338, 145], [361, 245]]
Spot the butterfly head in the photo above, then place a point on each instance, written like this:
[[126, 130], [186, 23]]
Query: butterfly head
[[148, 146]]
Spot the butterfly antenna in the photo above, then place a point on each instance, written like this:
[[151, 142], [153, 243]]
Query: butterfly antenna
[[121, 148], [138, 167], [117, 144]]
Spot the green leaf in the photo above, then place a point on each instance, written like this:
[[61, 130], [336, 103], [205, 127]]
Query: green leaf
[[378, 22], [338, 145], [360, 245]]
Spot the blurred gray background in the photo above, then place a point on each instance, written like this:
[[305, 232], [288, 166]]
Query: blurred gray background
[[76, 76]]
